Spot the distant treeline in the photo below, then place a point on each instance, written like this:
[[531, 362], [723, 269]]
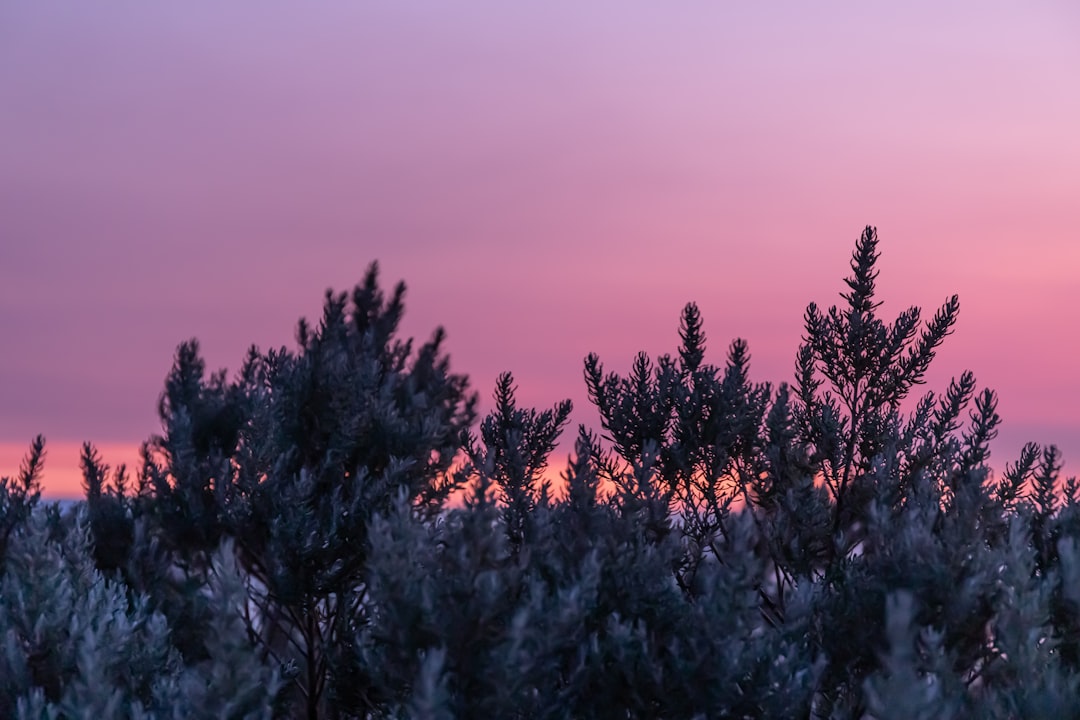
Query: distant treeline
[[721, 549]]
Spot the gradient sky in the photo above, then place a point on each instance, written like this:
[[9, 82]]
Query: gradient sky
[[549, 178]]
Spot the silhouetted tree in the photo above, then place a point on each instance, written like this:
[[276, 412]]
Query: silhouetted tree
[[295, 457]]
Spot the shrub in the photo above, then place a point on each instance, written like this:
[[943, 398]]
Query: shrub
[[829, 548]]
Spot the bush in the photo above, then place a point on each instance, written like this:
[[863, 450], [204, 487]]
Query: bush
[[832, 548], [79, 645]]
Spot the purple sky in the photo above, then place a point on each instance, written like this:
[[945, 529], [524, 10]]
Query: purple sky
[[549, 179]]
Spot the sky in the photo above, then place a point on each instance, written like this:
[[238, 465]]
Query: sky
[[550, 179]]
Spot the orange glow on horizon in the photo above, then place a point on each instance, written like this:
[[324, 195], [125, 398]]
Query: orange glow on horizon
[[61, 477]]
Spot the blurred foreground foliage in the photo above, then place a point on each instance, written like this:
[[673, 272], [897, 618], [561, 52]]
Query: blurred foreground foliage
[[291, 545]]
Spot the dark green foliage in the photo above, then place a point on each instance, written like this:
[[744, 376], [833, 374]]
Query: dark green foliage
[[294, 458], [292, 545], [867, 367], [20, 494], [514, 454], [590, 623], [109, 511]]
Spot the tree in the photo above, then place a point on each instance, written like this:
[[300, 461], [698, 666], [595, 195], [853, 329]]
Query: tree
[[294, 458]]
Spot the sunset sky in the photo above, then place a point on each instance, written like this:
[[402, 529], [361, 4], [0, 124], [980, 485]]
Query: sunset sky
[[549, 179]]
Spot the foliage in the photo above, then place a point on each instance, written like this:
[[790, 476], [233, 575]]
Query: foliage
[[79, 645], [19, 495], [328, 535]]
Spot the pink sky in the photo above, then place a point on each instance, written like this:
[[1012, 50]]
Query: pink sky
[[549, 179]]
